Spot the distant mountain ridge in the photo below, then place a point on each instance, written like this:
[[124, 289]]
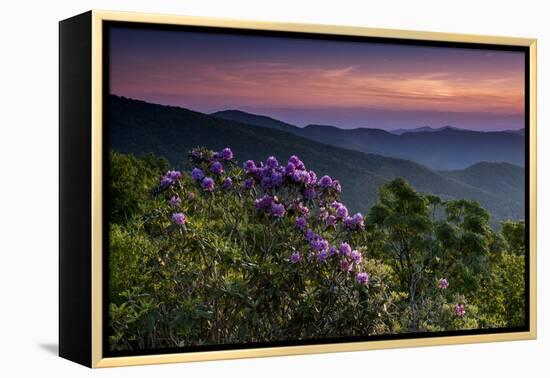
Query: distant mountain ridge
[[445, 148], [139, 127], [423, 129]]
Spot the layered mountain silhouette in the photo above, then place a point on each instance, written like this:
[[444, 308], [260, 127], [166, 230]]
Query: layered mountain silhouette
[[442, 148], [139, 127]]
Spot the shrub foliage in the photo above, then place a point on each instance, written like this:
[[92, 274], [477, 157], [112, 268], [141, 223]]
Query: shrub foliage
[[221, 253]]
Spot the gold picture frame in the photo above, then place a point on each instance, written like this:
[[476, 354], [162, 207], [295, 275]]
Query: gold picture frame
[[93, 24]]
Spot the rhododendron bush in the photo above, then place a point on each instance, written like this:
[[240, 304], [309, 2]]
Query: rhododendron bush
[[220, 252]]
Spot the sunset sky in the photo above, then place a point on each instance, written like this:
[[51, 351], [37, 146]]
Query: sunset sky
[[302, 81]]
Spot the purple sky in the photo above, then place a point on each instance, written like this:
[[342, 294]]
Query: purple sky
[[304, 81]]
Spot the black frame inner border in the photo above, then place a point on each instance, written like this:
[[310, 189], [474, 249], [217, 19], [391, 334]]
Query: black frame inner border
[[108, 25]]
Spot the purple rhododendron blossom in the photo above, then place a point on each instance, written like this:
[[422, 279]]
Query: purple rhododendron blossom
[[179, 218], [331, 220], [300, 223], [248, 183], [173, 175], [272, 162], [325, 182], [277, 210], [356, 256], [290, 169], [362, 278], [227, 183], [304, 210], [345, 248], [207, 184], [197, 174], [296, 176], [346, 266], [355, 222], [266, 182], [336, 186], [250, 166], [196, 153], [322, 256], [216, 168], [342, 212], [312, 177], [276, 179], [295, 257], [175, 201], [317, 243], [460, 310], [165, 182], [297, 162], [226, 154], [443, 283], [263, 203]]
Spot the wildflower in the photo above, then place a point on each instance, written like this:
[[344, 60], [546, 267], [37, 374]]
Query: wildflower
[[272, 162], [295, 257], [300, 223], [309, 193], [309, 234], [331, 220], [333, 251], [362, 278], [460, 310], [356, 256], [197, 174], [175, 201], [248, 183], [226, 154], [345, 248], [443, 283], [325, 182], [227, 183], [216, 168], [277, 210], [207, 184], [179, 218]]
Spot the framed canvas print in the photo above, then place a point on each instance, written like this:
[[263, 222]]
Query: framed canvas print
[[235, 189]]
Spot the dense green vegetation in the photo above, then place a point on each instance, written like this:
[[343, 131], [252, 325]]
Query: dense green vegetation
[[272, 254], [138, 127]]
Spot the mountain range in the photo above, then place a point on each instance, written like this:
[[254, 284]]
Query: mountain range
[[443, 148], [139, 127]]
